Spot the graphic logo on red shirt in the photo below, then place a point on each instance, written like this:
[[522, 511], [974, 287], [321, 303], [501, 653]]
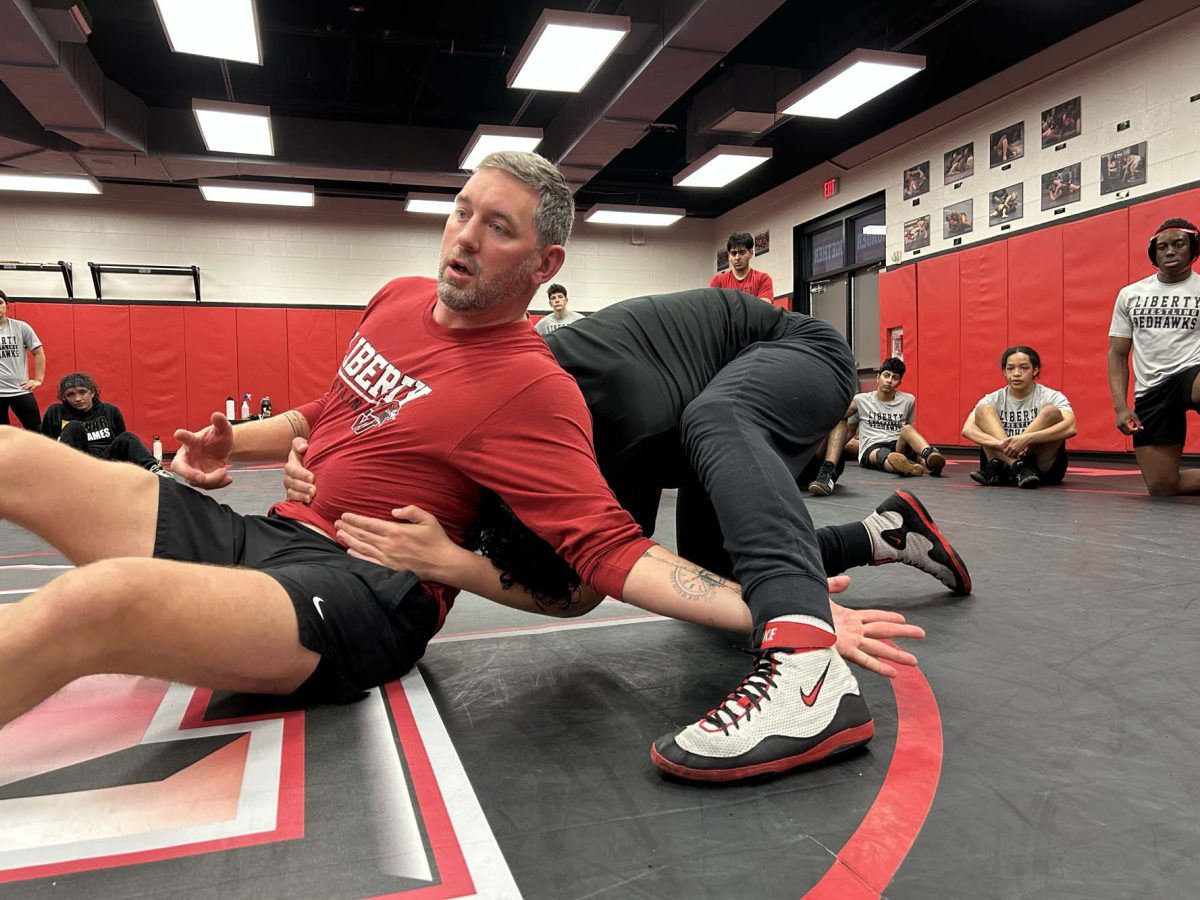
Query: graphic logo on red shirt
[[376, 381]]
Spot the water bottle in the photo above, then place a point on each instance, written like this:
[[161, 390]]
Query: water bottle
[[264, 409], [230, 412], [157, 450], [245, 406]]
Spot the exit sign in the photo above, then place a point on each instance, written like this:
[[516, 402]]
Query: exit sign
[[829, 188]]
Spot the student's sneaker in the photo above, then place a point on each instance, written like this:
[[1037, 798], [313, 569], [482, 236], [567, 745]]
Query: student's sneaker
[[158, 470], [1025, 475], [822, 485], [798, 706], [934, 461], [902, 530], [902, 465], [990, 475]]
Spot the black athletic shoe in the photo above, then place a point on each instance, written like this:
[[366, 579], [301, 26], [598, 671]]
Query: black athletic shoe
[[1025, 475], [822, 485], [902, 530], [795, 708], [990, 475], [934, 461]]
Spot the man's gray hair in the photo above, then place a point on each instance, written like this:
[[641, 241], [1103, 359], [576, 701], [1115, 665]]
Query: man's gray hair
[[556, 206]]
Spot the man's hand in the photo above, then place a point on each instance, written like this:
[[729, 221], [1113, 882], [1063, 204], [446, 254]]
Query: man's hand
[[31, 384], [300, 483], [203, 456], [1017, 445], [1127, 420], [412, 540], [862, 636]]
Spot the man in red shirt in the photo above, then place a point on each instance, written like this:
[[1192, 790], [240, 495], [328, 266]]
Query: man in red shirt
[[444, 390], [740, 276]]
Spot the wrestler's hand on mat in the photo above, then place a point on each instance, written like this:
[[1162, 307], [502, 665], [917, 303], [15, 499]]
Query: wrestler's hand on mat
[[299, 483], [862, 636], [203, 456], [1127, 420], [412, 540]]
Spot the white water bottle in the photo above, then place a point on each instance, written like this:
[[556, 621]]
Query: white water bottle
[[157, 449], [230, 412], [245, 406]]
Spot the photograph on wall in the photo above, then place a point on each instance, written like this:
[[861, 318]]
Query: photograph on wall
[[916, 234], [1007, 144], [1123, 168], [1061, 186], [916, 181], [1006, 204], [958, 219], [762, 243], [722, 260], [1061, 123], [959, 163]]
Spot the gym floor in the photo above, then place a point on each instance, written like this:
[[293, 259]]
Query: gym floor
[[1045, 747]]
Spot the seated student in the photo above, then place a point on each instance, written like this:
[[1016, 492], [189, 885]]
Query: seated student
[[1021, 429], [886, 435], [82, 420]]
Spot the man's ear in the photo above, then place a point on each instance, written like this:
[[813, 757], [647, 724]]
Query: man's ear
[[550, 260]]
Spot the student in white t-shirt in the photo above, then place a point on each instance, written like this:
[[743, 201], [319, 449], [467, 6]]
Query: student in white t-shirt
[[887, 438], [1021, 429], [1157, 318]]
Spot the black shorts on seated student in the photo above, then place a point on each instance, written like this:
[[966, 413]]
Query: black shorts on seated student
[[370, 624], [868, 457], [1163, 409]]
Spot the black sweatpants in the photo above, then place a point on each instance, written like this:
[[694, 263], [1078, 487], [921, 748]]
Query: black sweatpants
[[25, 408], [749, 435]]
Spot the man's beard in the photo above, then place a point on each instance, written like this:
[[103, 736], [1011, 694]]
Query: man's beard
[[488, 291]]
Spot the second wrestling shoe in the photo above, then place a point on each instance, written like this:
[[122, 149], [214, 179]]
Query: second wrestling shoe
[[902, 530], [801, 704], [823, 484], [902, 465]]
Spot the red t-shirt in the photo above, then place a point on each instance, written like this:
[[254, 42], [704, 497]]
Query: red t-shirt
[[756, 283], [422, 414]]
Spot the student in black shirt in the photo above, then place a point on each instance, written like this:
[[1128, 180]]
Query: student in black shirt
[[82, 420]]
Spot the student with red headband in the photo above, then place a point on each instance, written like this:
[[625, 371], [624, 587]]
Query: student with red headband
[[1156, 318]]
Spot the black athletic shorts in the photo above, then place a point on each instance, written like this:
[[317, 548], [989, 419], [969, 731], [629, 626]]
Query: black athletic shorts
[[868, 458], [370, 624], [1051, 475], [1162, 410]]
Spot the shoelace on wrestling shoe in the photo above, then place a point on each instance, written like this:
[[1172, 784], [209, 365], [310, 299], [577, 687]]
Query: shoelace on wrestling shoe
[[754, 689]]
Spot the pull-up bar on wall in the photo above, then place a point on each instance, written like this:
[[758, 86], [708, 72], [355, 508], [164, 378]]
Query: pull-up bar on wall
[[122, 269], [60, 266]]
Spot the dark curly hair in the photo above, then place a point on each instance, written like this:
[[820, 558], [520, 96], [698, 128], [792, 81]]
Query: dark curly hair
[[522, 557], [78, 379]]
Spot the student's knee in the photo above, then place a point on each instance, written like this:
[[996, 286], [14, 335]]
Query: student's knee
[[88, 610], [1162, 485]]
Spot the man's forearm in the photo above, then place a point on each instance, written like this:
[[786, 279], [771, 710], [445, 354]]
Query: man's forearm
[[664, 583], [268, 440]]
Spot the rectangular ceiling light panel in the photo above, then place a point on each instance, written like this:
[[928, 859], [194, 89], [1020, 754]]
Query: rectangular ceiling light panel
[[651, 216], [721, 165], [857, 78], [565, 49], [434, 204], [224, 29], [234, 127], [493, 138], [48, 184], [264, 194]]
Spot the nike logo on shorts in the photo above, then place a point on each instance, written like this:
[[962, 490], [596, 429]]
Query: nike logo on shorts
[[317, 601]]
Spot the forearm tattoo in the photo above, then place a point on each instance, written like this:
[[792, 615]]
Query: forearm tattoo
[[296, 421], [691, 582]]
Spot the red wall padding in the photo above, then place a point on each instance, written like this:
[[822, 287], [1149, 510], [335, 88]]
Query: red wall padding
[[160, 377], [313, 354], [983, 319], [345, 323], [1145, 217], [898, 307], [1035, 291], [263, 357], [1095, 267], [54, 324], [938, 407], [102, 349], [210, 346]]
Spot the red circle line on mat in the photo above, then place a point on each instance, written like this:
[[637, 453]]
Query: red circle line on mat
[[873, 854]]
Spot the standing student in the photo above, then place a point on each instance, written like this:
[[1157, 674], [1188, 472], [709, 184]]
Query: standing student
[[560, 316], [16, 387], [1022, 428], [741, 277], [1158, 318]]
